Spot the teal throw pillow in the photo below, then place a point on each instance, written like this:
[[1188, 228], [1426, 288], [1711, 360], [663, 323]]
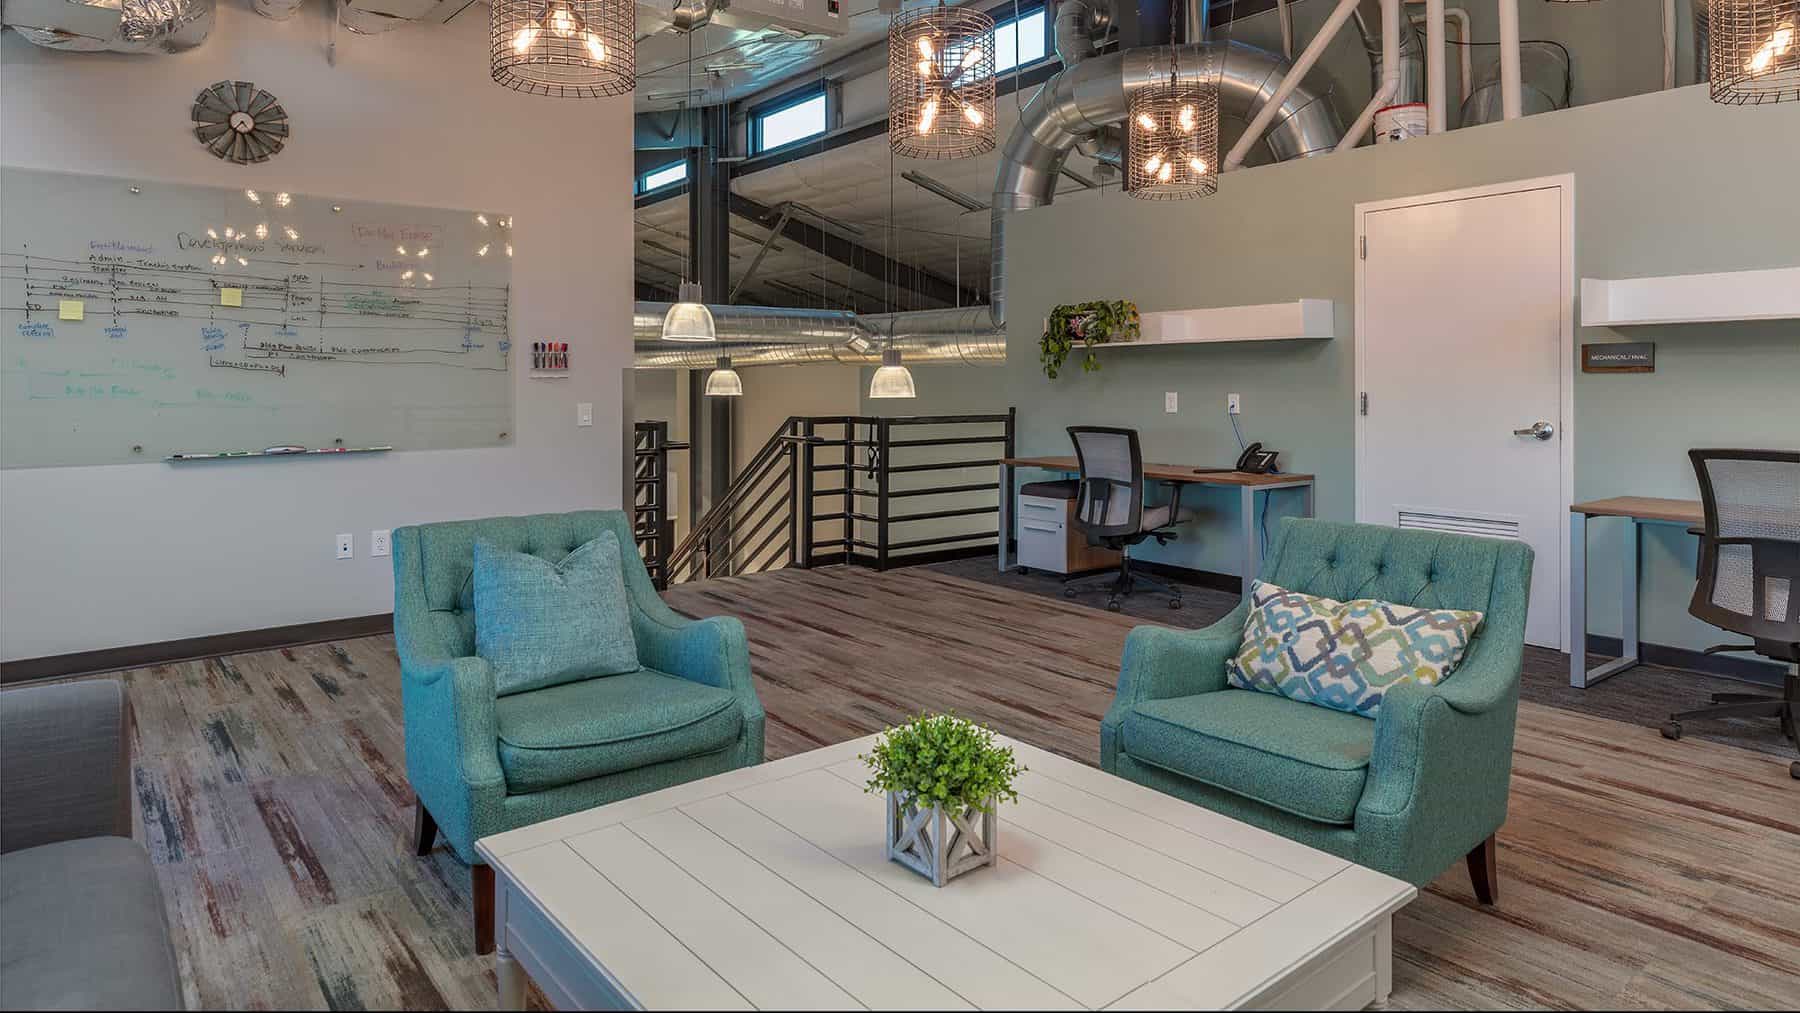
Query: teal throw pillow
[[539, 623]]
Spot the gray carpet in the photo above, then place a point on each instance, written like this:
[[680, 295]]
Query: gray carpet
[[1645, 695]]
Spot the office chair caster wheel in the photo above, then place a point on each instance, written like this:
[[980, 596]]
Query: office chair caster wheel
[[1068, 592], [1794, 770], [1671, 730], [1112, 604], [1174, 603]]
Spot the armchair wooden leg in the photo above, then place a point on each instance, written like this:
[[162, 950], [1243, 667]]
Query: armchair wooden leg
[[1483, 872], [483, 876], [424, 829]]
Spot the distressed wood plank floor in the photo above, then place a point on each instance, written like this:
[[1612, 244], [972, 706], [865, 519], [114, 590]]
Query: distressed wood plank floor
[[272, 794]]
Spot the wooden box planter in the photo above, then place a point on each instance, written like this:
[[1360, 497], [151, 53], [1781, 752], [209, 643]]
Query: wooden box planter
[[937, 843]]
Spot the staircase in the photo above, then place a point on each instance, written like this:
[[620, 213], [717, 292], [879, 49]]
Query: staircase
[[856, 489]]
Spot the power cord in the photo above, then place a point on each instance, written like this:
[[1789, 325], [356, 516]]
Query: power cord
[[1262, 516]]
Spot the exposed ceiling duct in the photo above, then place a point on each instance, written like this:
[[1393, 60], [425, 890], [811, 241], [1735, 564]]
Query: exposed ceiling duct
[[114, 26], [1544, 85], [1084, 99], [1080, 104], [759, 336]]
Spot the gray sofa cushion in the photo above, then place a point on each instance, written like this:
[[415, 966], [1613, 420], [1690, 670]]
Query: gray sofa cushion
[[82, 927]]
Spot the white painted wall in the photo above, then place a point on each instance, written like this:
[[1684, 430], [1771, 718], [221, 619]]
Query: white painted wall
[[106, 556]]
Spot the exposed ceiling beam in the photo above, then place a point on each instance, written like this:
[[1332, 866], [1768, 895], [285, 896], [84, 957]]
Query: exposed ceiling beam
[[748, 236], [875, 265], [1086, 183], [944, 190]]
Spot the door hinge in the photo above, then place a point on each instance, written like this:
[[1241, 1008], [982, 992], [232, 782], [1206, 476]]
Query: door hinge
[[1363, 403], [1362, 247]]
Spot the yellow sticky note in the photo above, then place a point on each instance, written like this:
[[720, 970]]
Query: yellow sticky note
[[231, 297], [70, 309]]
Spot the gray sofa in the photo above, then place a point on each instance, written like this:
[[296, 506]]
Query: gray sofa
[[81, 917]]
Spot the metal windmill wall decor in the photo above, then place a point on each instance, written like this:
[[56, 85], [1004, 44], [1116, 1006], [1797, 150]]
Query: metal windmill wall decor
[[239, 122]]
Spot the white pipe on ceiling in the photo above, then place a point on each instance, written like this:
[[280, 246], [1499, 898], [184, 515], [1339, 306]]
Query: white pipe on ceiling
[[1467, 62], [1668, 40], [1390, 74], [1292, 80], [1437, 121], [1512, 102]]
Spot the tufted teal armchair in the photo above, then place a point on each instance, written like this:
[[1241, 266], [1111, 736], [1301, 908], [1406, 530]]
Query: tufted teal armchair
[[482, 763], [1407, 793]]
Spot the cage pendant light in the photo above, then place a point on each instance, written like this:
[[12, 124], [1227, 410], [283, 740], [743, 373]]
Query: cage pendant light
[[1753, 51], [941, 82], [1172, 136], [564, 48], [724, 381]]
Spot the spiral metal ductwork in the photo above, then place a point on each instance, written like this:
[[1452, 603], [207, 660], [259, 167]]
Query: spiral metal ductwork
[[116, 26], [1084, 99], [763, 336], [1079, 104]]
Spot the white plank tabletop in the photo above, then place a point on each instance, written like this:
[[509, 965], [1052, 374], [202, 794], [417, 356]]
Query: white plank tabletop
[[768, 887]]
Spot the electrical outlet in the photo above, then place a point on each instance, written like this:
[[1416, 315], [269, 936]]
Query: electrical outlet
[[1171, 403], [1233, 404], [378, 542], [584, 413], [346, 546]]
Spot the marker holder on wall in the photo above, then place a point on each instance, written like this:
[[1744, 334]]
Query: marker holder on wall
[[549, 359]]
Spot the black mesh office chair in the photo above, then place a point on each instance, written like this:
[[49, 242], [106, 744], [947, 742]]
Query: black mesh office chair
[[1749, 574], [1110, 510]]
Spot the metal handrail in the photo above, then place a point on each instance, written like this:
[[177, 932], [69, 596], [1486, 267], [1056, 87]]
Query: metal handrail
[[751, 514]]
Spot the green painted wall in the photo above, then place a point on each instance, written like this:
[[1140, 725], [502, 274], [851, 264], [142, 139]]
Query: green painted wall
[[1665, 183]]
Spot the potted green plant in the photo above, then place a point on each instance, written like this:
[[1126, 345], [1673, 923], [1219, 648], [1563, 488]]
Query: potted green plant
[[944, 777], [1091, 323]]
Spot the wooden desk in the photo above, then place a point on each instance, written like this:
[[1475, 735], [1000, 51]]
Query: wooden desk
[[1639, 510], [1247, 484]]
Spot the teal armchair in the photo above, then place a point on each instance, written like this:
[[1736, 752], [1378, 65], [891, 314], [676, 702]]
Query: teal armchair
[[1407, 793], [481, 763]]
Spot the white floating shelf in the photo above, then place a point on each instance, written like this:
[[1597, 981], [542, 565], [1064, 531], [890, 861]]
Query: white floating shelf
[[1772, 294], [1299, 320]]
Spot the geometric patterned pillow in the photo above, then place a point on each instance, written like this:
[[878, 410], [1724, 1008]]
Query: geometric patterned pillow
[[1345, 655]]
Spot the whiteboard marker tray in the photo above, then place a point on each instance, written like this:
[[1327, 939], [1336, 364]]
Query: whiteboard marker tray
[[239, 455]]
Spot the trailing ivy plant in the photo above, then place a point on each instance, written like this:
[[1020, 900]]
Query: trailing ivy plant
[[944, 761], [1091, 323]]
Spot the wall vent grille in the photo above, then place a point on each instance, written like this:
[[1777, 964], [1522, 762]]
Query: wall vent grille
[[1459, 524]]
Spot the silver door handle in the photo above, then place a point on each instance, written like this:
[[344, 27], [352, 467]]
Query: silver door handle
[[1540, 429]]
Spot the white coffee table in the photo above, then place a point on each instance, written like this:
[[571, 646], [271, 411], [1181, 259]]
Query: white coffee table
[[768, 887]]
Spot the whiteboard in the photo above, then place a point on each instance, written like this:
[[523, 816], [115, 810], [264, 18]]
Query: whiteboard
[[141, 320]]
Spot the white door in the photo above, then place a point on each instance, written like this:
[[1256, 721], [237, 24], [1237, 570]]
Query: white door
[[1463, 335]]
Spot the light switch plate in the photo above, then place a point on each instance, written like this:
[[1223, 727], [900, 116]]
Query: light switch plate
[[584, 413], [1170, 402], [378, 542], [346, 545]]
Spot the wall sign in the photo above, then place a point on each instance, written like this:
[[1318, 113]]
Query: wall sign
[[1619, 357]]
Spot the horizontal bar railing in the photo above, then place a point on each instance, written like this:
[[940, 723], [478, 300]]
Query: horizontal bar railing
[[777, 513]]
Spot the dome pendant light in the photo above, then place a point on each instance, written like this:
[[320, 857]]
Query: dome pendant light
[[689, 319], [564, 48], [1172, 136], [941, 82], [891, 379], [1753, 51], [724, 381]]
